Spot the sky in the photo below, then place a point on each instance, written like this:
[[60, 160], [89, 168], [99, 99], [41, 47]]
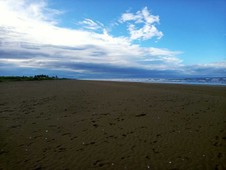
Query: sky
[[94, 39]]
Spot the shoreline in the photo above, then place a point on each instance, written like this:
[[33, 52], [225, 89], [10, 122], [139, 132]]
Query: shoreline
[[151, 81], [156, 82]]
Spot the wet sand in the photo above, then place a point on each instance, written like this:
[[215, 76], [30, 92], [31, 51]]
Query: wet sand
[[107, 125]]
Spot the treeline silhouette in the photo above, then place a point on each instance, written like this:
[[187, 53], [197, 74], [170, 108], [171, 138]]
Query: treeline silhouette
[[29, 78]]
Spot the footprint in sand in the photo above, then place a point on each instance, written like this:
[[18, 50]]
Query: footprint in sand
[[140, 115]]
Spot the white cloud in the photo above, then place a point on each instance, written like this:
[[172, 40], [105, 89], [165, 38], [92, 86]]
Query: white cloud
[[131, 17], [210, 69], [92, 25], [148, 30], [27, 9], [30, 29], [213, 65], [144, 33]]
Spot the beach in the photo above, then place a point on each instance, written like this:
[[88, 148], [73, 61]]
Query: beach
[[73, 124]]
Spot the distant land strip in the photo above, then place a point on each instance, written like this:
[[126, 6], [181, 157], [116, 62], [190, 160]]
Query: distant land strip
[[29, 78]]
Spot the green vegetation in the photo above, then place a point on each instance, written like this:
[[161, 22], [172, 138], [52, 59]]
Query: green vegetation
[[26, 78]]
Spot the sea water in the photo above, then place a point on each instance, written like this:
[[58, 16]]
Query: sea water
[[195, 81]]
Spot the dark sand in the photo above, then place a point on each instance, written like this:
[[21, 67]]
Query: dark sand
[[106, 125]]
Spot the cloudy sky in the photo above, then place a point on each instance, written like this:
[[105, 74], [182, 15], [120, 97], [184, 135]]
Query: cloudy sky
[[113, 39]]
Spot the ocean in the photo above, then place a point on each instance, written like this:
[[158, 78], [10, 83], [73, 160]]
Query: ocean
[[194, 81]]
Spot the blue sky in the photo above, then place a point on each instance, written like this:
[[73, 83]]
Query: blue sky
[[113, 39]]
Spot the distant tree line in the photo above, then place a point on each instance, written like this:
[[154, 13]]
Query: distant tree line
[[29, 78]]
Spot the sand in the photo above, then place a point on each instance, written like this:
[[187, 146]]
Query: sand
[[71, 124]]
